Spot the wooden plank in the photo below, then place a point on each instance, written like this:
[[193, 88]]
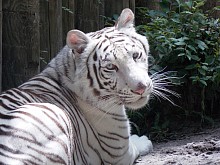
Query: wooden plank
[[0, 46], [68, 16], [116, 6], [44, 34], [87, 15], [55, 27], [56, 19], [20, 38], [132, 5], [101, 13]]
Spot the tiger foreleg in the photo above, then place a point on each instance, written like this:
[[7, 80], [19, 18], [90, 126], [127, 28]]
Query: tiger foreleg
[[142, 144]]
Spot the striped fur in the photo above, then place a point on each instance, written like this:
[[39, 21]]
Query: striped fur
[[73, 112]]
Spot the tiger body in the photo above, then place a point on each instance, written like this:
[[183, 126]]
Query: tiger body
[[73, 112]]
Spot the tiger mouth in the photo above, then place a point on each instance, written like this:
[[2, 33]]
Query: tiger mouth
[[129, 99]]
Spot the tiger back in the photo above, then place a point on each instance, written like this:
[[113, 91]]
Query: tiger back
[[73, 112]]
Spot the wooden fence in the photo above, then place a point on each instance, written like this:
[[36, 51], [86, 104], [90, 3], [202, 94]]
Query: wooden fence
[[33, 31]]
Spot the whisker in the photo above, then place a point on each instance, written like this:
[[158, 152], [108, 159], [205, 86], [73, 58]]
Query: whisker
[[161, 80]]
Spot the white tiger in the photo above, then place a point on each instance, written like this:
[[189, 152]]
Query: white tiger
[[73, 113]]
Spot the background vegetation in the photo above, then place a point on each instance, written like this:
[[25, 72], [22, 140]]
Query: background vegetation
[[184, 38]]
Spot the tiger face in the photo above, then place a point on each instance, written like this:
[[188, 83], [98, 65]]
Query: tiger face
[[112, 64]]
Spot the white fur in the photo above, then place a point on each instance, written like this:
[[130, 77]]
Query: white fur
[[89, 83], [143, 144]]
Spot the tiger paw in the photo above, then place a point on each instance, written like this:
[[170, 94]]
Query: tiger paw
[[143, 144]]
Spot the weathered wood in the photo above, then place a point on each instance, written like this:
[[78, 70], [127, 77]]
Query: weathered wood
[[132, 5], [101, 13], [87, 15], [35, 30], [68, 16], [116, 6], [153, 4], [44, 34], [55, 26], [51, 30], [20, 41], [0, 46]]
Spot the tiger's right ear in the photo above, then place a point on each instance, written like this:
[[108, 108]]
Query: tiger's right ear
[[77, 41], [125, 19]]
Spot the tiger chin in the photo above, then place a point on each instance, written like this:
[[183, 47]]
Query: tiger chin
[[73, 112]]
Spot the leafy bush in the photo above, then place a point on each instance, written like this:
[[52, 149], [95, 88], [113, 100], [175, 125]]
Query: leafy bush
[[185, 39]]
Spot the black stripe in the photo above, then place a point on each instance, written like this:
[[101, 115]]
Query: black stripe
[[5, 148], [50, 156], [22, 94], [108, 137], [97, 78], [120, 136], [121, 40], [120, 119], [52, 111], [11, 99], [112, 147], [105, 48], [5, 106], [95, 57], [88, 69], [141, 43]]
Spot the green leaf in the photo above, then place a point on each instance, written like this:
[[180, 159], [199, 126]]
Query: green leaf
[[189, 67], [187, 12], [199, 4], [205, 68], [195, 78], [181, 54], [203, 82], [209, 60], [178, 2], [192, 48], [202, 71], [189, 4], [201, 44], [194, 57], [180, 43], [188, 56], [216, 8]]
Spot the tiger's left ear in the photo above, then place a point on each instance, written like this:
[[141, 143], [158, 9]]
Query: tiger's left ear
[[125, 19], [77, 41]]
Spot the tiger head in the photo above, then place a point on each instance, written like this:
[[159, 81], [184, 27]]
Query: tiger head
[[112, 64]]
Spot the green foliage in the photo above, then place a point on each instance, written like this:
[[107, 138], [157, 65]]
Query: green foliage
[[159, 130], [185, 39]]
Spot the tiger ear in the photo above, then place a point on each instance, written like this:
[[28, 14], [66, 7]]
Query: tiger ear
[[77, 41], [125, 19]]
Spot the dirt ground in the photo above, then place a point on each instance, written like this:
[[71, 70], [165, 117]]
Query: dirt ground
[[201, 148]]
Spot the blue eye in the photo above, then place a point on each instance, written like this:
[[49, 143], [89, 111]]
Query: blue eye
[[135, 56], [112, 67]]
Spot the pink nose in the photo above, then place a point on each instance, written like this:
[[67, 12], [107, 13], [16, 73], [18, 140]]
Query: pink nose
[[140, 89]]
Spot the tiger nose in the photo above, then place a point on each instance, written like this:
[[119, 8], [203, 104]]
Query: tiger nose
[[140, 88]]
